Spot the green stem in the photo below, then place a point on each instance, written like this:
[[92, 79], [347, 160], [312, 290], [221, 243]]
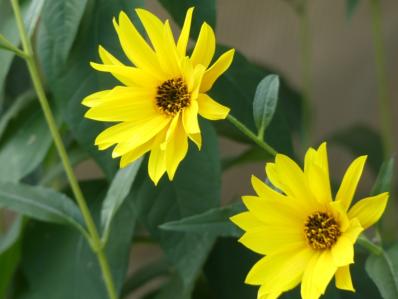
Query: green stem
[[384, 100], [370, 246], [305, 40], [241, 127], [95, 240]]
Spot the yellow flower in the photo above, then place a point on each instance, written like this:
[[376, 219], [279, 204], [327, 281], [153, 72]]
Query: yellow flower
[[160, 97], [305, 235]]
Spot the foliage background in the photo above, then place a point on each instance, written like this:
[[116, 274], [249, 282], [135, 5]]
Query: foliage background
[[52, 261]]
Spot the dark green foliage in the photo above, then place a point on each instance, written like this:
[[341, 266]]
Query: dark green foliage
[[198, 179], [58, 263], [383, 270]]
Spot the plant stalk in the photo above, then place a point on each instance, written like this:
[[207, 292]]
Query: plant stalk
[[370, 246], [257, 140], [305, 51], [95, 240], [384, 101]]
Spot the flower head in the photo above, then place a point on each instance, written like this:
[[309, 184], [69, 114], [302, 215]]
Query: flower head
[[158, 100], [305, 234]]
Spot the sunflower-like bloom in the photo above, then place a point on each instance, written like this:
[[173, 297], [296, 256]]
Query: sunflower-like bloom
[[159, 98], [305, 234]]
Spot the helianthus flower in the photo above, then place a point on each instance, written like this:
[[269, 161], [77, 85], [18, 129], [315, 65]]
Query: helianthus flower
[[305, 234], [159, 98]]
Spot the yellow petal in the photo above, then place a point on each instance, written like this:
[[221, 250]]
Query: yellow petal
[[263, 190], [197, 76], [216, 70], [287, 176], [139, 134], [176, 148], [91, 99], [133, 155], [264, 293], [153, 27], [316, 169], [109, 59], [190, 118], [319, 184], [157, 164], [246, 221], [135, 76], [369, 210], [135, 46], [275, 212], [340, 215], [350, 181], [205, 47], [197, 139], [210, 109], [317, 275], [134, 109], [115, 134], [184, 36], [318, 157], [187, 72], [268, 239], [119, 95], [171, 51], [343, 251], [343, 279], [281, 271]]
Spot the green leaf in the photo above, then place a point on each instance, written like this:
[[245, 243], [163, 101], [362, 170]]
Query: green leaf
[[205, 11], [383, 270], [361, 140], [25, 147], [194, 190], [351, 6], [58, 28], [265, 101], [12, 235], [214, 221], [384, 178], [230, 261], [19, 104], [41, 203], [58, 263], [236, 88], [117, 193]]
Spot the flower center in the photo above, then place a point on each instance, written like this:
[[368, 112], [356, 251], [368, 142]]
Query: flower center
[[172, 96], [321, 230]]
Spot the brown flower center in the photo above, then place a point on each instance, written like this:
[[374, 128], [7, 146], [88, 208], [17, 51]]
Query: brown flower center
[[172, 96], [321, 230]]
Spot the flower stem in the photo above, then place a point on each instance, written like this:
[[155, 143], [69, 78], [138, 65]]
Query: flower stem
[[245, 130], [384, 100], [305, 40], [94, 240], [370, 246]]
